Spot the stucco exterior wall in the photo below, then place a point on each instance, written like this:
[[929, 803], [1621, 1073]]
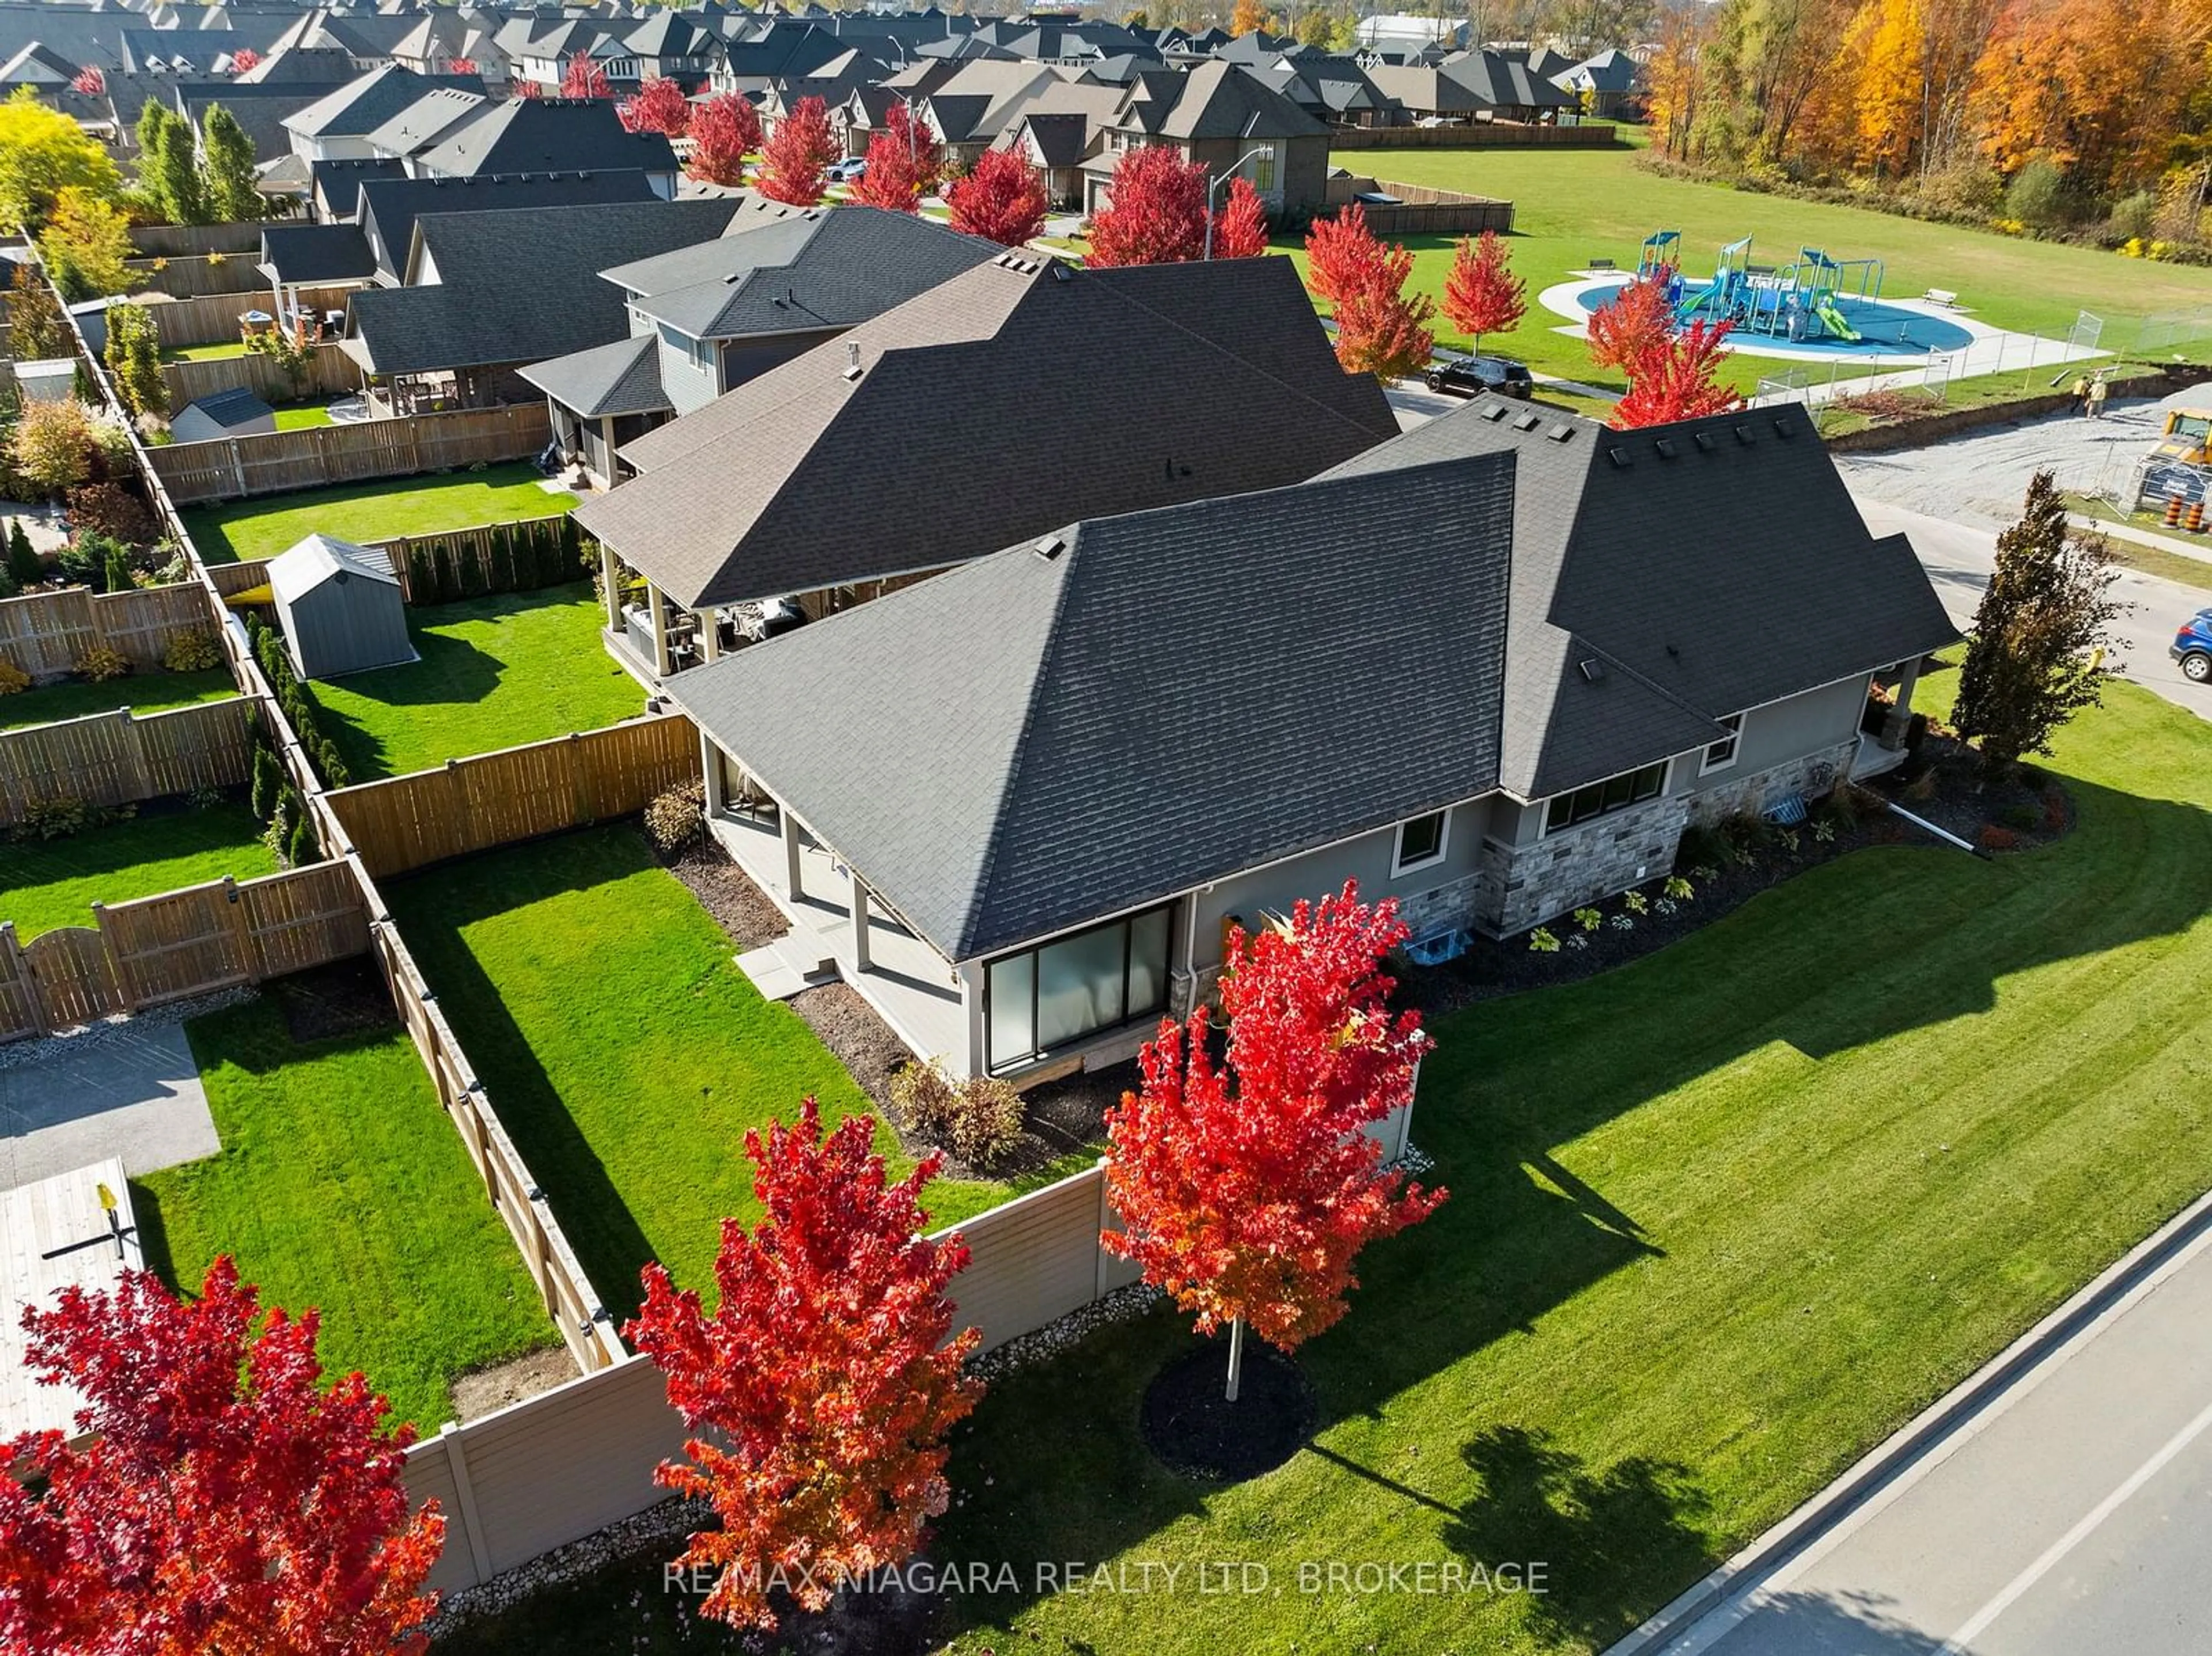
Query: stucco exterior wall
[[1811, 724]]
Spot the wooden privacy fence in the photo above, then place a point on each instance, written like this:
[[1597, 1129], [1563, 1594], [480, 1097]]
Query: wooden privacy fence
[[178, 241], [181, 943], [234, 466], [566, 1293], [192, 275], [213, 319], [1476, 135], [330, 373], [1421, 210], [119, 758], [521, 557], [518, 793], [47, 632]]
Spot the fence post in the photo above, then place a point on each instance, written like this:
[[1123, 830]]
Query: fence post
[[1105, 1224], [34, 999], [249, 962], [117, 963], [465, 1497], [133, 745]]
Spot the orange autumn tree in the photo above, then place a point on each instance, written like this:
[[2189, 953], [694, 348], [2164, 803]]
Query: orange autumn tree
[[1380, 329], [1001, 198], [795, 159], [1481, 293], [827, 1373], [1676, 378], [224, 1500], [1240, 228], [904, 161], [1636, 318], [1247, 1189]]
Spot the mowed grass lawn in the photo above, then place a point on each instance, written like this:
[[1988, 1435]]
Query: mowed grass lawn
[[1570, 207], [623, 1047], [341, 1185], [144, 693], [380, 511], [1719, 1221], [495, 672], [46, 884]]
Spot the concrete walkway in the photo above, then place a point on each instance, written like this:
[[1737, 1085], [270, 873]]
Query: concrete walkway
[[131, 1091]]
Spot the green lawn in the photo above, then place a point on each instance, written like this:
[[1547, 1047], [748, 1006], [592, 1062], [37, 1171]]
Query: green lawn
[[302, 419], [143, 693], [381, 511], [1571, 206], [341, 1185], [222, 350], [495, 672], [622, 1046], [1719, 1221], [46, 883]]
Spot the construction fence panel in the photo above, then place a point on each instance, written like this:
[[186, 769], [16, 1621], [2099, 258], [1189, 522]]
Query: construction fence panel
[[232, 467], [500, 798], [119, 758]]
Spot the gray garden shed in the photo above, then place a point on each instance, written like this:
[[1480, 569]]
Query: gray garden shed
[[340, 606]]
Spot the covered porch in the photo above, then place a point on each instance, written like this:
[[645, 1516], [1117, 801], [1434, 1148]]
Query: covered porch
[[838, 928], [1888, 723]]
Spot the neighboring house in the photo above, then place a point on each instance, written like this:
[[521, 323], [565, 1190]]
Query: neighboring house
[[996, 405], [1057, 129], [777, 283], [1230, 121], [236, 413], [260, 110], [488, 293], [431, 120], [338, 126], [1509, 86], [1018, 804], [549, 135], [334, 187], [1608, 86], [386, 208]]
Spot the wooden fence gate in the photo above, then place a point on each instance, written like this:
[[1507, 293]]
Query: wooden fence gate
[[67, 974]]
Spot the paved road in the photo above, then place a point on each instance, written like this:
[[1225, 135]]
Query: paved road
[[2071, 1517], [1959, 557]]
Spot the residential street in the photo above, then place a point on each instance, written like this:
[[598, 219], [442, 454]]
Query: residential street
[[2072, 1514]]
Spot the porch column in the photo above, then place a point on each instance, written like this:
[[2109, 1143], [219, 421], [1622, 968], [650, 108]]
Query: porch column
[[710, 766], [611, 578], [710, 637], [790, 825], [657, 607], [859, 921], [1901, 712], [607, 433]]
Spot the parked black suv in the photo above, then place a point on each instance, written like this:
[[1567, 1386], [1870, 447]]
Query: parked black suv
[[1466, 376]]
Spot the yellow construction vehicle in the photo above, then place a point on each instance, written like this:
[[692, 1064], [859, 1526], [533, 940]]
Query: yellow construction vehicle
[[2187, 438]]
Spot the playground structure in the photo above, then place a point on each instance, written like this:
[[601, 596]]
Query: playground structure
[[1801, 300]]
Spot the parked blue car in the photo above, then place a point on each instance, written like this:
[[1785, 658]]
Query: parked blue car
[[2192, 647]]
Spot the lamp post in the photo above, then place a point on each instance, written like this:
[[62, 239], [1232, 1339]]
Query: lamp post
[[1265, 148]]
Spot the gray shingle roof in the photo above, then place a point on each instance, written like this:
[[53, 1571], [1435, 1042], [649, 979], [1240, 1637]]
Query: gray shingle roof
[[1026, 743], [428, 120], [1223, 101], [623, 377], [389, 205], [1730, 572], [232, 409], [547, 134], [781, 269], [519, 285], [1013, 397], [316, 253], [362, 105]]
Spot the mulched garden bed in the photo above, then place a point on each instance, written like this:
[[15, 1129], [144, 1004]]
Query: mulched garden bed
[[1941, 783], [1193, 1429], [741, 908], [346, 998]]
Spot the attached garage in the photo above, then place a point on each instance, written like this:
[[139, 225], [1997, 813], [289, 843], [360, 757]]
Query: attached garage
[[340, 606]]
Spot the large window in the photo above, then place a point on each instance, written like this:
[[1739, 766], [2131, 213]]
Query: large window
[[1599, 798], [1051, 997], [1263, 169]]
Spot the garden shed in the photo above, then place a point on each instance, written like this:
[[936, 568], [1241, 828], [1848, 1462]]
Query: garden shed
[[341, 608], [235, 413]]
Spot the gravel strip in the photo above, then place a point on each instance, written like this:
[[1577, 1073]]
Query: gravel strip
[[90, 1037]]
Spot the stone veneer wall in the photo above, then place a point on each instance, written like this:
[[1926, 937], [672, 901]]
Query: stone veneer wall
[[1562, 872], [1812, 776]]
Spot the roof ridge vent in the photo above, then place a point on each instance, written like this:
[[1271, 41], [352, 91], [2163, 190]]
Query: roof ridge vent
[[1561, 432], [1528, 423], [1591, 669], [1050, 548]]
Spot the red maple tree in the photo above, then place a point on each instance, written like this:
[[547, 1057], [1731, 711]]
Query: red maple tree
[[1481, 293], [244, 58], [904, 162], [1240, 228], [584, 78], [224, 1500], [1001, 199], [1635, 318], [462, 66], [90, 81], [1380, 329], [827, 1372], [1247, 1189], [658, 106], [1158, 214], [530, 89], [724, 130], [797, 153], [1674, 379]]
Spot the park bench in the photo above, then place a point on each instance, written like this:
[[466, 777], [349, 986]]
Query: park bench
[[1944, 297]]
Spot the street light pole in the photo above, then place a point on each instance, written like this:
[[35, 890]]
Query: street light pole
[[1263, 149]]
